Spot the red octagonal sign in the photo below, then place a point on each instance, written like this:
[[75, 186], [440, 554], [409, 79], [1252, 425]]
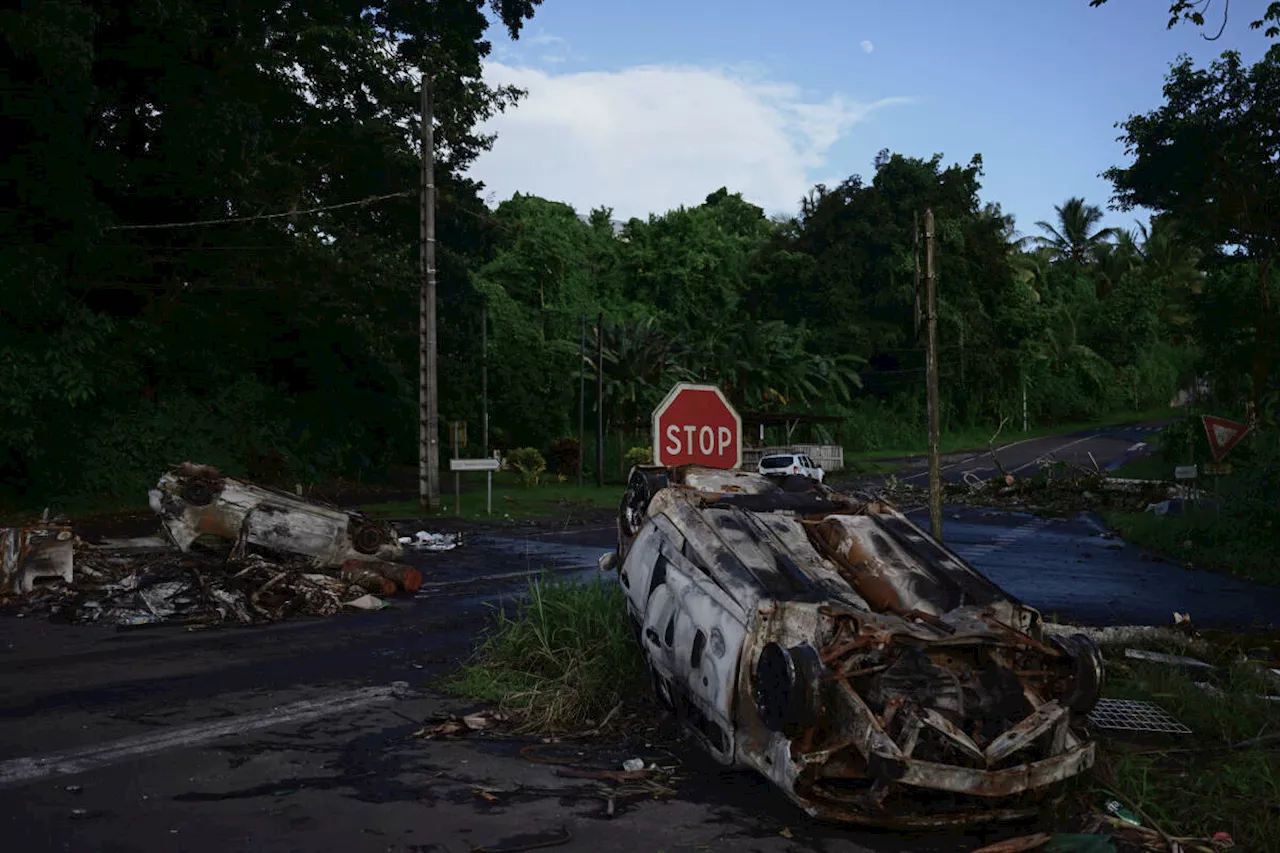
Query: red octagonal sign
[[695, 425]]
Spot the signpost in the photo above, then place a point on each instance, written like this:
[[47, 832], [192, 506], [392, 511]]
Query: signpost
[[696, 425], [1223, 436], [1186, 477], [489, 465]]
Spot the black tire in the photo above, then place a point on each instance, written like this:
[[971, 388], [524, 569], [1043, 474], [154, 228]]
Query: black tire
[[198, 492], [366, 538]]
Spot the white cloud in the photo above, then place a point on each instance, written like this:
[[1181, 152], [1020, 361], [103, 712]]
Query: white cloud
[[544, 39], [646, 139], [867, 47]]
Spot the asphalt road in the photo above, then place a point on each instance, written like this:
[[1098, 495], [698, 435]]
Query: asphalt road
[[296, 736], [1107, 447]]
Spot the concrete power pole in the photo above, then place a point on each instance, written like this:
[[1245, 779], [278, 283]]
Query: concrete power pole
[[428, 391], [600, 402], [582, 393], [931, 370], [484, 378]]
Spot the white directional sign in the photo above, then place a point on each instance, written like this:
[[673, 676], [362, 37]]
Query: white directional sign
[[474, 464]]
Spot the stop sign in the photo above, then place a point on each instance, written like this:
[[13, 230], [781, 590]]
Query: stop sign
[[695, 425]]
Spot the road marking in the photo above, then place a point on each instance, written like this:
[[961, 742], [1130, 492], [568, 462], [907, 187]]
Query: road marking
[[968, 459], [71, 762], [1138, 446], [1041, 459]]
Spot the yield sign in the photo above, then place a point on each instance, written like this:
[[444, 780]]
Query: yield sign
[[1223, 435]]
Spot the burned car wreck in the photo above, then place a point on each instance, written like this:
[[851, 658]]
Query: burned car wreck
[[195, 501], [829, 643]]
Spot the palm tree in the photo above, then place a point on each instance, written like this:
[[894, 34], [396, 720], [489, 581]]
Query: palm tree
[[1114, 261], [1074, 238], [1172, 264]]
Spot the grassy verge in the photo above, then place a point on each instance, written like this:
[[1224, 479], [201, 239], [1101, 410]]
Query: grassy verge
[[1146, 468], [1225, 777], [1211, 541], [976, 438], [510, 500], [563, 661]]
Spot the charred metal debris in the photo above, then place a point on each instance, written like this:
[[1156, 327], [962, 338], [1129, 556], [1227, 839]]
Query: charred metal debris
[[236, 552], [827, 642]]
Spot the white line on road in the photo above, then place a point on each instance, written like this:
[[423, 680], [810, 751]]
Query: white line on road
[[25, 770], [1040, 460], [1138, 446], [968, 459]]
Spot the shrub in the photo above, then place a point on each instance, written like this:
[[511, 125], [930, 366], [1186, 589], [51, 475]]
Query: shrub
[[638, 456], [529, 463], [564, 457]]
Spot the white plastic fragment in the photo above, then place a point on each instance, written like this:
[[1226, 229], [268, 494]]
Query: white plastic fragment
[[366, 602], [631, 765]]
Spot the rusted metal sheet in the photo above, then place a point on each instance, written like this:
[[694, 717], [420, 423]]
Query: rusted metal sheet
[[197, 500], [28, 554], [828, 643]]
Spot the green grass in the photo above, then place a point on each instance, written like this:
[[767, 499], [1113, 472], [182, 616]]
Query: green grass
[[1220, 778], [1211, 541], [976, 438], [510, 499], [563, 661], [1146, 468]]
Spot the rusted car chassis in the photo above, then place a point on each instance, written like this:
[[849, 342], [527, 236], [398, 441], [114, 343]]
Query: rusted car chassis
[[829, 643]]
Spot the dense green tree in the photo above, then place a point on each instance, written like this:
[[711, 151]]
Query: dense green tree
[[121, 118], [1210, 157]]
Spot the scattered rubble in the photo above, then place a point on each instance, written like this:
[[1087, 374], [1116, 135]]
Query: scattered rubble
[[452, 725], [424, 541], [278, 556], [1056, 489]]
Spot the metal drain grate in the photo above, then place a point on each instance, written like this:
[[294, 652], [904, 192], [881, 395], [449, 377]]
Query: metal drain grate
[[1127, 715]]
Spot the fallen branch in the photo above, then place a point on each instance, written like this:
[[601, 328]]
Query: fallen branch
[[991, 447]]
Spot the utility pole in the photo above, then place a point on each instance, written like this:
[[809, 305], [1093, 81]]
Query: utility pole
[[582, 393], [428, 392], [916, 224], [600, 402], [1025, 424], [931, 369], [484, 378]]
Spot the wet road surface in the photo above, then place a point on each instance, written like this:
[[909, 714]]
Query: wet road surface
[[1070, 567]]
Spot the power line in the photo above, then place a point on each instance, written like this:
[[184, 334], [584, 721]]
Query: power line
[[199, 223]]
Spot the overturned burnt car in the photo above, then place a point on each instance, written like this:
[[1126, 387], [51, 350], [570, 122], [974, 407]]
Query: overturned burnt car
[[829, 643], [194, 501]]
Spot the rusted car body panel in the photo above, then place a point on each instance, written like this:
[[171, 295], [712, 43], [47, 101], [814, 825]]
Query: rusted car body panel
[[196, 500], [832, 645], [30, 553]]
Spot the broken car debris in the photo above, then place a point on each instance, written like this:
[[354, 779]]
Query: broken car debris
[[830, 644], [287, 556]]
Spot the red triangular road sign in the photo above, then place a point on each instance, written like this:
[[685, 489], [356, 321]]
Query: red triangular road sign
[[1223, 435]]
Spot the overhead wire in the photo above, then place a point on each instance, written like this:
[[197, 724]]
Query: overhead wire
[[261, 216]]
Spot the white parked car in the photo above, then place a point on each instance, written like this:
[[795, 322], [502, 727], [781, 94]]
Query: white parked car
[[790, 462]]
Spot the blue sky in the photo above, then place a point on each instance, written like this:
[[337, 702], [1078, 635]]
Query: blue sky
[[647, 105]]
